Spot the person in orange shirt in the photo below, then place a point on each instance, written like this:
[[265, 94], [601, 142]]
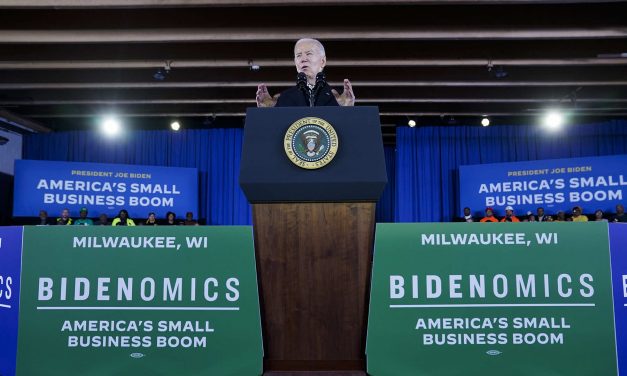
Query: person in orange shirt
[[509, 215], [489, 216]]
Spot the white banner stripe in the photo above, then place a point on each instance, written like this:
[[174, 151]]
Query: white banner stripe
[[139, 308], [492, 305], [5, 306]]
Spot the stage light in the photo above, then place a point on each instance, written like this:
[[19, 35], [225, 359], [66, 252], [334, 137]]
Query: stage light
[[500, 72], [252, 66], [111, 126], [553, 120], [175, 125], [162, 73], [497, 71], [159, 75], [411, 123], [485, 121]]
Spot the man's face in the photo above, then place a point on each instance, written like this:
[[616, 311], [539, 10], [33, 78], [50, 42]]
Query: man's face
[[576, 212], [122, 215], [65, 214], [308, 59], [43, 214], [540, 212], [103, 217], [83, 214], [620, 209], [509, 213], [189, 216], [488, 213], [466, 211]]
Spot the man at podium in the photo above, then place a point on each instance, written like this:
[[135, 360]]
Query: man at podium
[[311, 89]]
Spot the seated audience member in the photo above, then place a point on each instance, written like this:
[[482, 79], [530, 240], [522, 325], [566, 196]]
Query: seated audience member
[[598, 216], [189, 219], [152, 220], [577, 216], [489, 216], [122, 219], [530, 217], [620, 214], [65, 219], [170, 219], [561, 216], [43, 218], [509, 215], [103, 220], [83, 220], [541, 217], [467, 217]]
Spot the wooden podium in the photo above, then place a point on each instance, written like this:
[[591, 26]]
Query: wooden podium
[[314, 233]]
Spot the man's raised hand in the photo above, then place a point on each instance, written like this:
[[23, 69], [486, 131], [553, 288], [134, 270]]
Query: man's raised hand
[[347, 98], [264, 99]]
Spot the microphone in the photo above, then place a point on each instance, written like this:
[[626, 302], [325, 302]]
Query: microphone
[[301, 80], [320, 79], [320, 82]]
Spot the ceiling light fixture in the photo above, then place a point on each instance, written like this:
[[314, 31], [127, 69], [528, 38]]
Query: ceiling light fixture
[[110, 126], [553, 120]]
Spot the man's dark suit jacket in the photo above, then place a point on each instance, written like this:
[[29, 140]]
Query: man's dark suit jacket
[[294, 97]]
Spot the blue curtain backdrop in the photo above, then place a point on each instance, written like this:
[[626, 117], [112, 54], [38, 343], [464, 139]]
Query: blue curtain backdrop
[[422, 170], [428, 158], [214, 152]]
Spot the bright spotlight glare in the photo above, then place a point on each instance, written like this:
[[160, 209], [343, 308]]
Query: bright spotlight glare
[[411, 123], [111, 126], [553, 120], [175, 125], [485, 121]]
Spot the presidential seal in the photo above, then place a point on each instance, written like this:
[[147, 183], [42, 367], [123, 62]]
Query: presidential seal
[[311, 143]]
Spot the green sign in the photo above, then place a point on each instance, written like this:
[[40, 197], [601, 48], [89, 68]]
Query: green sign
[[491, 299], [139, 301]]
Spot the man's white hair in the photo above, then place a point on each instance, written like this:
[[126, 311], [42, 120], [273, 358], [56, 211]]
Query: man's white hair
[[315, 42]]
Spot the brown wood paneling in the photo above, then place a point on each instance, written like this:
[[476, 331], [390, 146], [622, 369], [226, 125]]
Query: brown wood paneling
[[313, 264]]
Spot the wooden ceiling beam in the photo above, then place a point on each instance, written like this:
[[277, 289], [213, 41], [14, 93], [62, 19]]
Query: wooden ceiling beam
[[118, 102], [57, 4], [243, 63], [242, 114], [291, 34], [275, 84]]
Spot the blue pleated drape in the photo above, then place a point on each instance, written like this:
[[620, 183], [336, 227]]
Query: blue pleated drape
[[428, 158], [216, 153], [422, 170]]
